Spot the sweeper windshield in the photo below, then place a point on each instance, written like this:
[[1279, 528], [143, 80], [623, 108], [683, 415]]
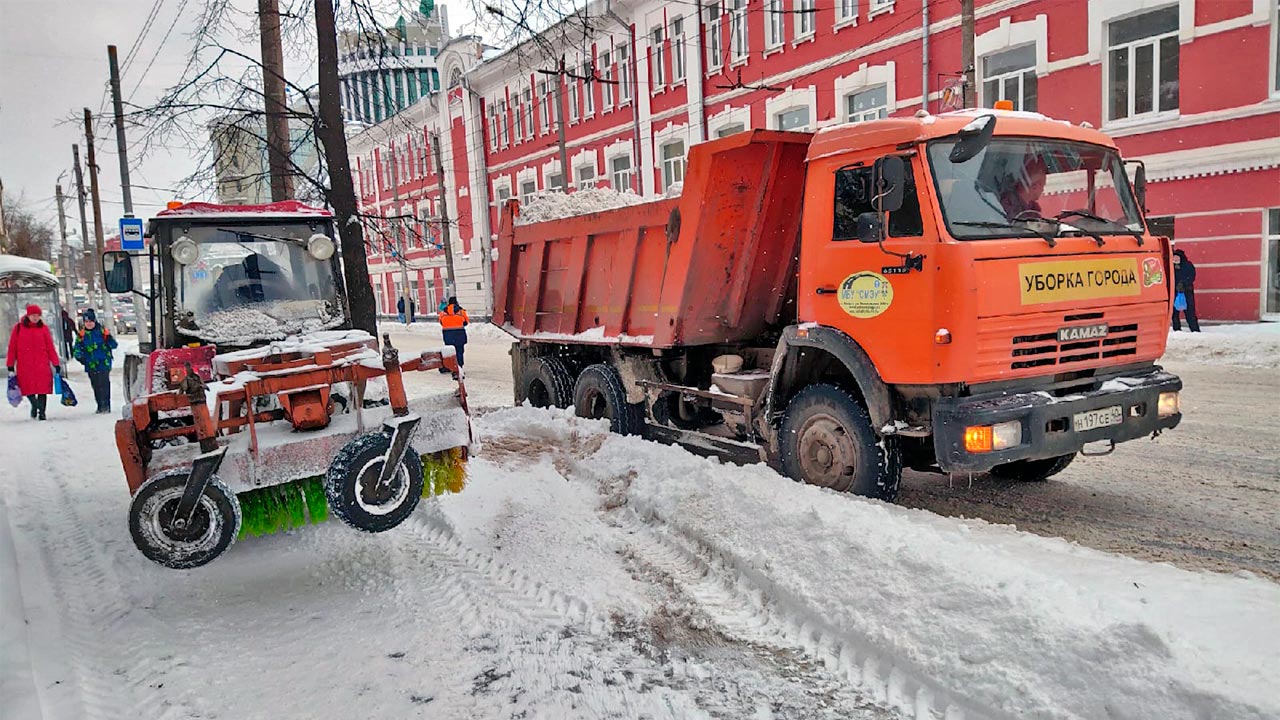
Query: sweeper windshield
[[250, 284]]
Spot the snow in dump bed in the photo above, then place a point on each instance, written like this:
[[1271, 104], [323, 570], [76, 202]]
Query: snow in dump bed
[[1008, 624], [555, 205], [1248, 345], [262, 321], [590, 335]]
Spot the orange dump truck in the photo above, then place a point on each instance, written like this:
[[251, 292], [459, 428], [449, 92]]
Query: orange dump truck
[[968, 292]]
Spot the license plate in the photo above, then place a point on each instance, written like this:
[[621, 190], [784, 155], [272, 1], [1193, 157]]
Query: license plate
[[1100, 418]]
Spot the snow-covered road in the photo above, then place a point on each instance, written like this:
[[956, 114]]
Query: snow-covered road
[[584, 575]]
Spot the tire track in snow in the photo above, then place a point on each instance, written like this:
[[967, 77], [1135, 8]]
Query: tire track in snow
[[111, 659], [743, 607]]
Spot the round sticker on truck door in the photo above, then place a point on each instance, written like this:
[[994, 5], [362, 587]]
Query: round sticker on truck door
[[865, 294]]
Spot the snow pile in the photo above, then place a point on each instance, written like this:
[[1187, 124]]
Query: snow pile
[[264, 321], [555, 205], [1249, 345], [674, 189], [477, 331], [1008, 623]]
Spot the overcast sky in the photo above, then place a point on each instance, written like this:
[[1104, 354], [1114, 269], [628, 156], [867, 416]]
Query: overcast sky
[[53, 63]]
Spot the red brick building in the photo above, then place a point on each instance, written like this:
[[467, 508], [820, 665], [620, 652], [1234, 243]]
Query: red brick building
[[1189, 86]]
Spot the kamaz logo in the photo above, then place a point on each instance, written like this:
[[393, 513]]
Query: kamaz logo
[[1081, 332]]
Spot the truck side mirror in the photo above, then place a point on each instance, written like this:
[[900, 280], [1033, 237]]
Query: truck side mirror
[[973, 138], [887, 180], [870, 227], [117, 271]]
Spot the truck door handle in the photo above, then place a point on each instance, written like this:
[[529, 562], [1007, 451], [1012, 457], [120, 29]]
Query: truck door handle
[[826, 291]]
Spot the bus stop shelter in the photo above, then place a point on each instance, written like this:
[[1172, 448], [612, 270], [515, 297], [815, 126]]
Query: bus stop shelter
[[27, 281]]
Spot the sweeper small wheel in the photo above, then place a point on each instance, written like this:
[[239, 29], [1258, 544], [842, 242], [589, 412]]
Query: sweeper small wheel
[[351, 484], [212, 529]]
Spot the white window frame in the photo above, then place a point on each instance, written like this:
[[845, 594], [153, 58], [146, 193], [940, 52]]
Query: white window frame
[[588, 94], [806, 21], [500, 183], [545, 97], [1269, 234], [729, 115], [679, 63], [847, 13], [1154, 41], [865, 78], [673, 168], [879, 7], [1275, 50], [739, 38], [504, 123], [573, 98], [1018, 74], [776, 118], [657, 61], [550, 169], [775, 25], [789, 99], [621, 180], [579, 160], [713, 40], [622, 53], [873, 113], [611, 74]]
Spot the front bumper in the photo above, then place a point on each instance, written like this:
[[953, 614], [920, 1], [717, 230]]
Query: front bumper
[[1047, 428]]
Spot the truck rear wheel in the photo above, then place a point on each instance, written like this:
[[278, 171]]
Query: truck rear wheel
[[827, 440], [1033, 470], [547, 382], [599, 394]]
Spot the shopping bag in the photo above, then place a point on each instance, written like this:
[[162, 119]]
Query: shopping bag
[[68, 397], [14, 392], [1180, 302], [57, 384]]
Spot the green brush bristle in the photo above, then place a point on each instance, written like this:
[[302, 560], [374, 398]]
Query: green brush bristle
[[443, 472], [282, 507]]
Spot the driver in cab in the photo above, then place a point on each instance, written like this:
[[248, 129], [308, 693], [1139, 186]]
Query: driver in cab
[[1020, 199], [254, 279]]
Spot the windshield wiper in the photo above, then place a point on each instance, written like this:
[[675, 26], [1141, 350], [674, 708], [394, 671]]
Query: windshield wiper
[[258, 236], [1112, 225], [1007, 226]]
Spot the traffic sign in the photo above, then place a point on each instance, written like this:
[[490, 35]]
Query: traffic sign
[[131, 233]]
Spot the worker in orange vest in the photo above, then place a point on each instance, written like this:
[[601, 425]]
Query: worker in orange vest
[[453, 321]]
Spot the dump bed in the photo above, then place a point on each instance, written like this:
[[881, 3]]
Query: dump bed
[[712, 266]]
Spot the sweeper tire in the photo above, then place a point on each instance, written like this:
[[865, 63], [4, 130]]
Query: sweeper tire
[[351, 484], [213, 527]]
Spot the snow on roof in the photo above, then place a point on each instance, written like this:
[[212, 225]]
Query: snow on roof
[[289, 208], [556, 205], [29, 266]]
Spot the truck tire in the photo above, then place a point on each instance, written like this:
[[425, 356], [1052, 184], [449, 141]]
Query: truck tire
[[547, 382], [1033, 470], [213, 527], [599, 394], [827, 440]]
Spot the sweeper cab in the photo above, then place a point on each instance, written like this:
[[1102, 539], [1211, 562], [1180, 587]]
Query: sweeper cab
[[257, 408]]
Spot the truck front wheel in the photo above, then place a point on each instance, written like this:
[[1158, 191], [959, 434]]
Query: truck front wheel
[[827, 440], [599, 394], [1033, 470]]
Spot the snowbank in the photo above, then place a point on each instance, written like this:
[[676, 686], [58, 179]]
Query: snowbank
[[1248, 345], [555, 205], [478, 331], [1012, 624]]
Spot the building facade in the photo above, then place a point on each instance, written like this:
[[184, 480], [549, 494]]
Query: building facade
[[1191, 87], [387, 70]]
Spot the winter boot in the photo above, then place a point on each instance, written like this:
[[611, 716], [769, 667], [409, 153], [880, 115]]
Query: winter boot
[[44, 400], [35, 411]]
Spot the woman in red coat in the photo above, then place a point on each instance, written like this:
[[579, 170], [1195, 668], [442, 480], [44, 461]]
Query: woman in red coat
[[33, 358]]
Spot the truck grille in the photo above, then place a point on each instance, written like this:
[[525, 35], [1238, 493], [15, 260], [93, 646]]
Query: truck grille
[[1025, 345], [1044, 349]]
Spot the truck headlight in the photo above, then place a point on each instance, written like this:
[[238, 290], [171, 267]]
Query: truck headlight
[[185, 251], [320, 246], [1000, 436], [1169, 404]]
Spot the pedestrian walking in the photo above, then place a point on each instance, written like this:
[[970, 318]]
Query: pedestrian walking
[[93, 350], [68, 333], [33, 359], [453, 323], [412, 310], [1184, 288]]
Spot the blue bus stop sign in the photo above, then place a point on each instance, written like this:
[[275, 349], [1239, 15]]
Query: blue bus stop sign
[[131, 233]]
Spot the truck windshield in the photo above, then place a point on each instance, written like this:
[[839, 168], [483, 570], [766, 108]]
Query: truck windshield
[[1014, 183], [245, 287]]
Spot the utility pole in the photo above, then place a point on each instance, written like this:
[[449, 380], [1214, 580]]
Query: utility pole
[[924, 55], [451, 281], [68, 298], [3, 234], [560, 132], [273, 91], [966, 51], [126, 190], [84, 224], [104, 299], [397, 231]]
